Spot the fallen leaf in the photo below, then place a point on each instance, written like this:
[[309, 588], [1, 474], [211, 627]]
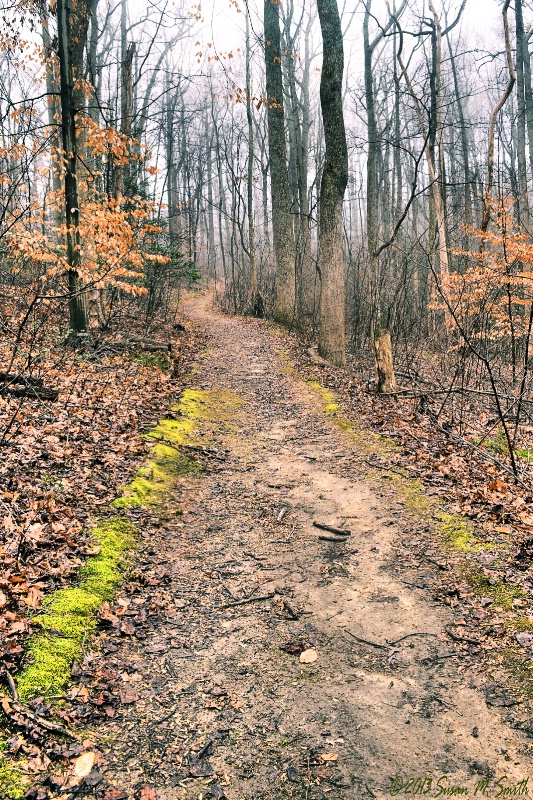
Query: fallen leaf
[[329, 756], [83, 765], [524, 639], [308, 656], [293, 647], [128, 694], [148, 793]]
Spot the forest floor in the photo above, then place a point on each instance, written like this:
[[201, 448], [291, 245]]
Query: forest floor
[[342, 668]]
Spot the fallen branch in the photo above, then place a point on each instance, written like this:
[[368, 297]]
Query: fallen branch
[[16, 707], [366, 641], [11, 683], [331, 529], [249, 600], [29, 390], [456, 638], [487, 457], [387, 469], [337, 538], [409, 635], [210, 452]]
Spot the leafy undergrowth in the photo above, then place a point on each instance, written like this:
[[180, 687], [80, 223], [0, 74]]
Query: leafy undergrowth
[[472, 509], [63, 465]]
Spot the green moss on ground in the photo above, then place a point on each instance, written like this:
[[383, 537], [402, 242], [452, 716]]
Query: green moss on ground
[[158, 360], [521, 671], [12, 786], [502, 594], [70, 614], [153, 482], [499, 446], [459, 535], [369, 443], [519, 624]]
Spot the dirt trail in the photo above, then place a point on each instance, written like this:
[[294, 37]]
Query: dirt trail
[[223, 712]]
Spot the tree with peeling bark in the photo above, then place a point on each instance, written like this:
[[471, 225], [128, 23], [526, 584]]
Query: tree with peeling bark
[[331, 339]]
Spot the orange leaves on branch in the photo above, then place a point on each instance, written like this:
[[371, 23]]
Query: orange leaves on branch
[[497, 284], [115, 245]]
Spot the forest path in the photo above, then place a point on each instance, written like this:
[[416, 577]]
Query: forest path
[[222, 710]]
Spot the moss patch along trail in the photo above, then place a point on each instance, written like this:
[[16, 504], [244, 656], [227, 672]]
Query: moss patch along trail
[[456, 531], [70, 614], [196, 408]]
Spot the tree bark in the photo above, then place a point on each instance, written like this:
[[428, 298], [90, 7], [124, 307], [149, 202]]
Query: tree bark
[[256, 303], [331, 341], [284, 246], [494, 117], [523, 205], [77, 303]]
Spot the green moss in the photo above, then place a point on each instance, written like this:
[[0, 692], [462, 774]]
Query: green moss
[[519, 624], [367, 442], [499, 445], [459, 535], [330, 407], [287, 365], [502, 594], [11, 785], [70, 614], [159, 360], [411, 493], [154, 482], [521, 671]]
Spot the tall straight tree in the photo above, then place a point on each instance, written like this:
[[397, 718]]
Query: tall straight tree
[[284, 245], [331, 337], [78, 315]]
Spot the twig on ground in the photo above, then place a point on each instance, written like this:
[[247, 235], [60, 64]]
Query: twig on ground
[[249, 600], [11, 684], [290, 610], [337, 539], [19, 708], [331, 529], [366, 641], [408, 636], [388, 469], [456, 638]]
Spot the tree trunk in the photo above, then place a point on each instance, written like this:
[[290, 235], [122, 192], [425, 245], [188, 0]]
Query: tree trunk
[[331, 342], [122, 173], [284, 246], [386, 381], [256, 303], [77, 304], [523, 205]]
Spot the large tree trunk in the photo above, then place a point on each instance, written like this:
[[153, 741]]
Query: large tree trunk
[[256, 303], [77, 303], [284, 246], [331, 341]]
